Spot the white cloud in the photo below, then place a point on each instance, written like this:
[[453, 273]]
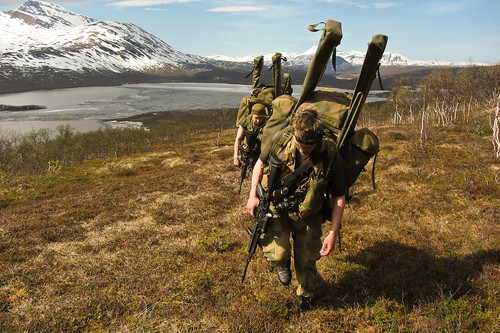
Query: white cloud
[[360, 4], [236, 9], [347, 2], [441, 7], [384, 5], [143, 3]]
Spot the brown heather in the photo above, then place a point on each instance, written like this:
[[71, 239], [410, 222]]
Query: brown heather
[[155, 242]]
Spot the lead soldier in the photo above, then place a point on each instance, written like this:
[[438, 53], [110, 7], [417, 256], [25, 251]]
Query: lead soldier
[[303, 152]]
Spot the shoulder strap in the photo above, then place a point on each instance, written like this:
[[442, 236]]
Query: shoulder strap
[[280, 140], [284, 137], [247, 121], [373, 171]]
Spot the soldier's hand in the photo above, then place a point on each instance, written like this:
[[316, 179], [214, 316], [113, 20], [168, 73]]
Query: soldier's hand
[[328, 244], [237, 162], [252, 202]]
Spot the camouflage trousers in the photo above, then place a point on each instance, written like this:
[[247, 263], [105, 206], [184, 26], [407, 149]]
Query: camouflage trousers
[[306, 235]]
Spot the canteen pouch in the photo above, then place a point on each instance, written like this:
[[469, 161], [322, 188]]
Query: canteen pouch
[[314, 197]]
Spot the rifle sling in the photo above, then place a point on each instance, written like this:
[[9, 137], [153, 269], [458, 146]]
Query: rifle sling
[[288, 179]]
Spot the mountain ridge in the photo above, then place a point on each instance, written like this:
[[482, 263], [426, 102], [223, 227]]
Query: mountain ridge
[[353, 57], [46, 46], [49, 35]]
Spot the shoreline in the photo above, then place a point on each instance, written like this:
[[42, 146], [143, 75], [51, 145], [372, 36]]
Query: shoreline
[[161, 119], [14, 108]]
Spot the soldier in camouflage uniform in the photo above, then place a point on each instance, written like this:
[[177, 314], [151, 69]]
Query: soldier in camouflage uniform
[[304, 221], [250, 126]]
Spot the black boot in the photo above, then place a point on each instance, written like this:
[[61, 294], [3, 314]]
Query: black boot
[[284, 274], [304, 304]]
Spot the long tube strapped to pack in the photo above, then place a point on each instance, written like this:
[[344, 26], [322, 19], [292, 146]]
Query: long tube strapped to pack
[[287, 85], [330, 39], [371, 65], [258, 64], [368, 73], [277, 57]]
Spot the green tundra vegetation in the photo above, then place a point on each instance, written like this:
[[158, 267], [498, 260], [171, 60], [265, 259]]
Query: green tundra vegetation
[[143, 231]]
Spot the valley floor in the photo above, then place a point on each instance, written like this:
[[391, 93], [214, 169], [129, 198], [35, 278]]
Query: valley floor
[[156, 242]]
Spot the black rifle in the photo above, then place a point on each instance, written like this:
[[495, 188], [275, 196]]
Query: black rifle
[[248, 155], [245, 160], [262, 213], [262, 219]]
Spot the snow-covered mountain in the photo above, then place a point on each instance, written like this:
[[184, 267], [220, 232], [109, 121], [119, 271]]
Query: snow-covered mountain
[[346, 60], [390, 59], [44, 46], [41, 34]]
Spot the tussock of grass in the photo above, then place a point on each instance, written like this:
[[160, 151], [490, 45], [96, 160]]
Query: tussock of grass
[[156, 242]]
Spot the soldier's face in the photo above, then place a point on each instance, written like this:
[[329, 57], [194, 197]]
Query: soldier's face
[[304, 148], [258, 119]]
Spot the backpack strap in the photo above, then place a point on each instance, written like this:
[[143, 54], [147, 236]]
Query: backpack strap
[[246, 121], [373, 171], [280, 140], [284, 137]]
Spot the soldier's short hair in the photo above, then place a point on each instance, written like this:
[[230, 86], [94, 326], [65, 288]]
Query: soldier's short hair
[[307, 121]]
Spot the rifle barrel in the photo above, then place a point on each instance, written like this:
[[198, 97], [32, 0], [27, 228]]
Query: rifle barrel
[[255, 234], [244, 167]]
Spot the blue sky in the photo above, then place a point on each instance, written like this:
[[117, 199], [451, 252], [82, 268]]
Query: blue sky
[[420, 30]]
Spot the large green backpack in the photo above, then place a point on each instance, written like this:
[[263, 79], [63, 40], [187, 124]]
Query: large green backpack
[[261, 93], [332, 107], [337, 110]]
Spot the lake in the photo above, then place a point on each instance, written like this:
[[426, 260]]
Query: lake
[[88, 108]]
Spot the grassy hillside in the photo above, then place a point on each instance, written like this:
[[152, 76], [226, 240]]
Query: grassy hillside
[[156, 242]]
